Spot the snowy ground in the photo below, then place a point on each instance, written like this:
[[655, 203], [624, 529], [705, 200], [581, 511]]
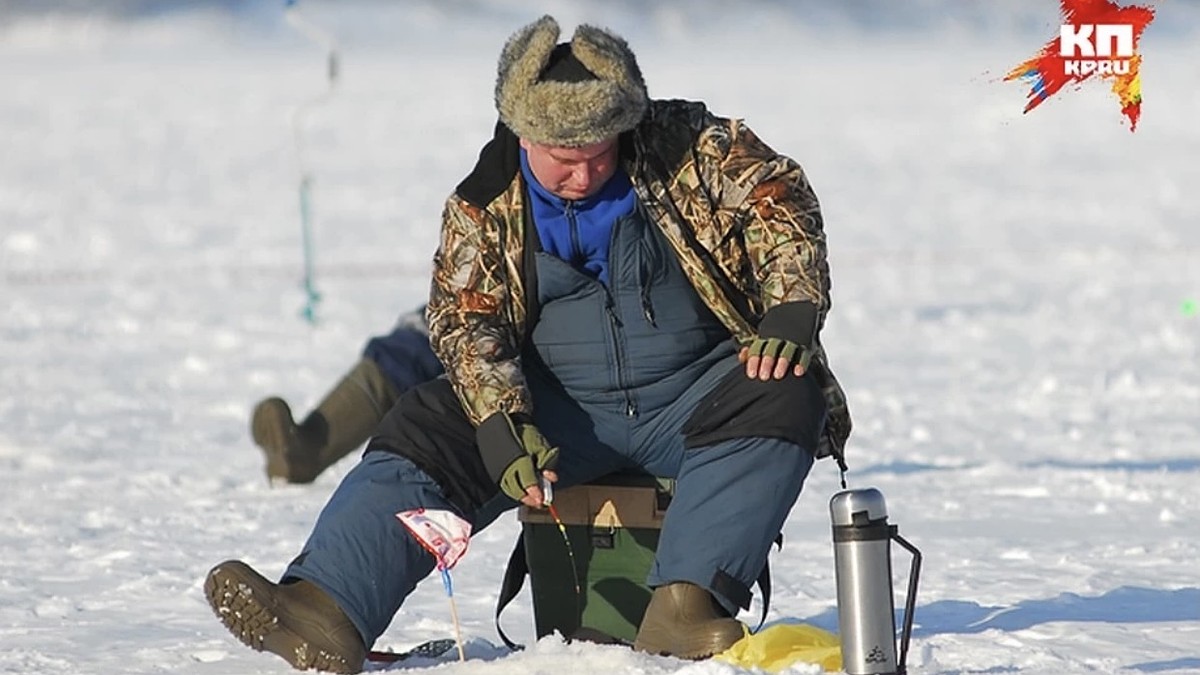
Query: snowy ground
[[1014, 318]]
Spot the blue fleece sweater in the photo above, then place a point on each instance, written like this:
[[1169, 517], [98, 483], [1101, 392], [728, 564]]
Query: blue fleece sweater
[[580, 230]]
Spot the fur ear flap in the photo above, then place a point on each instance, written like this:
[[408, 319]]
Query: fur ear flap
[[570, 114], [608, 56], [521, 61]]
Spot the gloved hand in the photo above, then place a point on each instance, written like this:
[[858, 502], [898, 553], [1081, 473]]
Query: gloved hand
[[515, 453], [786, 337], [523, 472], [770, 357]]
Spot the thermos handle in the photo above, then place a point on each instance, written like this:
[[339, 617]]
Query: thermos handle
[[910, 599]]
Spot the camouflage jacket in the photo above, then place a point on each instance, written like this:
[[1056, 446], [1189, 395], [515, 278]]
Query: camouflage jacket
[[743, 220]]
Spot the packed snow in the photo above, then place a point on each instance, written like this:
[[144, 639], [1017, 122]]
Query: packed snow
[[1015, 316]]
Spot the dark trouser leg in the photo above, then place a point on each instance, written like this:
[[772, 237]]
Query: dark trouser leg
[[740, 450], [358, 551], [731, 500]]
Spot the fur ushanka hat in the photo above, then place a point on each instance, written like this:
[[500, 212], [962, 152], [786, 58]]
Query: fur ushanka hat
[[571, 94]]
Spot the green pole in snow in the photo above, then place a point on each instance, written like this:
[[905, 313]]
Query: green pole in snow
[[312, 295], [314, 33]]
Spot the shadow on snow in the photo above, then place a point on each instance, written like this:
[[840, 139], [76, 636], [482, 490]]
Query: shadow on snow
[[1121, 605], [1166, 465]]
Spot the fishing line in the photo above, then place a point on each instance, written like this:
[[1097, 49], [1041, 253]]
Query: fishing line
[[548, 500]]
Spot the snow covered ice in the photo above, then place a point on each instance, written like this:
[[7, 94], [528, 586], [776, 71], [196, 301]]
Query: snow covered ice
[[1011, 312]]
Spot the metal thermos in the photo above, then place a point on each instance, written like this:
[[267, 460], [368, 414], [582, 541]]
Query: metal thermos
[[862, 557]]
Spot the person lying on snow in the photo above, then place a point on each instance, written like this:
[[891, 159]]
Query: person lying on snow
[[620, 283], [346, 417]]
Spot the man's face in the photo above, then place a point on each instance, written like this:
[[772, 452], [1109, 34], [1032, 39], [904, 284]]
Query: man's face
[[572, 173]]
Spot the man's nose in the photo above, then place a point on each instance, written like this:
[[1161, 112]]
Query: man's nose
[[584, 175]]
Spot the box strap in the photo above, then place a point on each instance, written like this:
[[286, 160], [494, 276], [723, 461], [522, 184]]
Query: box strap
[[764, 583], [514, 579]]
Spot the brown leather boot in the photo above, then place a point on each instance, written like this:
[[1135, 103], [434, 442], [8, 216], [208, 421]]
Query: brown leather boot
[[297, 621], [684, 621], [344, 420]]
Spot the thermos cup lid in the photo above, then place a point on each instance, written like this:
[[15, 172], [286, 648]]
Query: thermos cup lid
[[843, 506]]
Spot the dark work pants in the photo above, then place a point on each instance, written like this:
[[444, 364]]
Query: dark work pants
[[732, 498]]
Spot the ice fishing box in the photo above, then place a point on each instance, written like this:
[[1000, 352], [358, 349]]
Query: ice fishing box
[[595, 588]]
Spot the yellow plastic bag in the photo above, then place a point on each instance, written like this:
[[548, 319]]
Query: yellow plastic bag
[[777, 647]]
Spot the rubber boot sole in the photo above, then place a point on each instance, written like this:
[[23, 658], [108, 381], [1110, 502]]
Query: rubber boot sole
[[682, 621], [694, 649], [245, 603]]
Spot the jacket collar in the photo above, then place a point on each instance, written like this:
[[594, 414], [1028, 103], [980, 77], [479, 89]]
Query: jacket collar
[[499, 163]]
